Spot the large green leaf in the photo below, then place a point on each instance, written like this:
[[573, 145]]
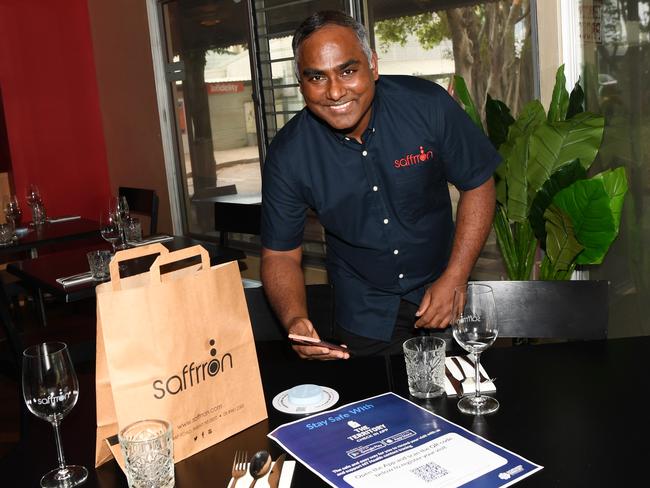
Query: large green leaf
[[561, 178], [515, 154], [561, 244], [576, 101], [557, 109], [553, 145], [587, 203], [517, 244], [498, 120], [530, 117], [615, 181], [462, 93], [516, 167]]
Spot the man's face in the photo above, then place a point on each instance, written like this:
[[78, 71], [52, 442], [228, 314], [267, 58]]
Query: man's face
[[335, 79]]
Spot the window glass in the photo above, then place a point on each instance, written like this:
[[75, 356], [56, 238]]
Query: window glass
[[210, 72], [487, 43], [220, 105], [615, 40]]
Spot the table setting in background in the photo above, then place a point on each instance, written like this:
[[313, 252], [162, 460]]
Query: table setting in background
[[20, 235]]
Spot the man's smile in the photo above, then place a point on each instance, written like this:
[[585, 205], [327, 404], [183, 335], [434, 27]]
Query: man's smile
[[340, 107]]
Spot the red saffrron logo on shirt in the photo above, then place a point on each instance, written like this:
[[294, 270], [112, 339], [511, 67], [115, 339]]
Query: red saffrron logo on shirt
[[413, 159]]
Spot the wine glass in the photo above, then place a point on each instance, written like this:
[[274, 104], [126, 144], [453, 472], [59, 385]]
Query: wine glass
[[475, 328], [50, 390], [33, 195], [120, 208], [13, 211], [109, 228]]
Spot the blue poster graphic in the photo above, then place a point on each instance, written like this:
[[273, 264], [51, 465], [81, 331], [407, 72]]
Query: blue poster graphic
[[387, 439]]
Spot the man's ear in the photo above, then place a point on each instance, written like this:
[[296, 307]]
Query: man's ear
[[375, 66]]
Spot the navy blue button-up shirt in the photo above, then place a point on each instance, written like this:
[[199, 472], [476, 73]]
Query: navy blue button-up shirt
[[384, 203]]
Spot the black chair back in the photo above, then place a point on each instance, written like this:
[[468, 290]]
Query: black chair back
[[14, 340], [236, 217], [552, 309], [143, 202]]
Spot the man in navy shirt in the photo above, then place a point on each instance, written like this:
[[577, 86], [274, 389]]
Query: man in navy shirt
[[373, 157]]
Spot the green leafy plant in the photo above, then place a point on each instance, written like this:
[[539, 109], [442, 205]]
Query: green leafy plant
[[544, 197]]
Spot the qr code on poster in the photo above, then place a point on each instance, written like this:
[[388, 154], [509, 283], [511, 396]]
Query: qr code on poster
[[429, 472]]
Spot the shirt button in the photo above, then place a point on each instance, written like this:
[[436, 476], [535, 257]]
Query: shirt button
[[375, 188], [365, 153], [396, 251], [401, 275], [385, 221], [347, 138], [373, 129]]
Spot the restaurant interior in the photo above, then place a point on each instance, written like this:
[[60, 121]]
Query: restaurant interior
[[183, 97]]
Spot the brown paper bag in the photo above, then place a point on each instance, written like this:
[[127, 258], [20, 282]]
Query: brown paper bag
[[176, 346]]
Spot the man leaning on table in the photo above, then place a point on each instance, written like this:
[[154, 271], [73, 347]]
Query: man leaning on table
[[372, 156]]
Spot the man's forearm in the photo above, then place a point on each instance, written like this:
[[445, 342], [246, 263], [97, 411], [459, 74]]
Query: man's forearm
[[284, 284], [473, 222]]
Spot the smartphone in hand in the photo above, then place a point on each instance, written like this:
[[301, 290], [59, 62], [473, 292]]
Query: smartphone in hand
[[310, 341]]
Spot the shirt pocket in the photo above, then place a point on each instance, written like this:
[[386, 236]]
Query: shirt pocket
[[420, 190]]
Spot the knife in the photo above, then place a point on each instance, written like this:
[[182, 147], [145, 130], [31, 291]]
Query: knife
[[274, 475], [471, 362], [458, 386]]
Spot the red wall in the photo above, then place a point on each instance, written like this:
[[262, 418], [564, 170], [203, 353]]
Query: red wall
[[51, 105]]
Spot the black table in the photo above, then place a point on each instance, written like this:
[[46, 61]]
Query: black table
[[53, 233], [575, 408], [41, 273]]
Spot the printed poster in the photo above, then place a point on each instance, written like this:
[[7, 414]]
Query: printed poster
[[385, 440]]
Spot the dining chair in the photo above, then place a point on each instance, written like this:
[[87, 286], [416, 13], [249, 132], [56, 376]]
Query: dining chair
[[575, 310], [243, 218], [267, 327], [144, 202], [10, 364]]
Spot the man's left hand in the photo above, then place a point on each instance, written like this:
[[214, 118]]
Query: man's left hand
[[435, 308]]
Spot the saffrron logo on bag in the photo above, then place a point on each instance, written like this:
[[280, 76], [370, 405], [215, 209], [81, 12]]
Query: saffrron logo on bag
[[192, 374]]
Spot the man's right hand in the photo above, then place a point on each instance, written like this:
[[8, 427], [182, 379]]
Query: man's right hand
[[302, 326]]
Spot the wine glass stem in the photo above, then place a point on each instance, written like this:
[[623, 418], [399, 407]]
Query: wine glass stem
[[59, 446], [477, 375]]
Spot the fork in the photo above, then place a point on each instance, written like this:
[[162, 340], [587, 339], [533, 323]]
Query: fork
[[238, 466]]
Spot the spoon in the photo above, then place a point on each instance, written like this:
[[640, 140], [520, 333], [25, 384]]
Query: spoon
[[260, 465]]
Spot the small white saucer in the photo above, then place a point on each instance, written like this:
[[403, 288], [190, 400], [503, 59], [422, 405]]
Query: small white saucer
[[328, 398]]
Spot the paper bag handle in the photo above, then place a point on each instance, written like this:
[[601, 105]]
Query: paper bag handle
[[132, 253], [172, 257]]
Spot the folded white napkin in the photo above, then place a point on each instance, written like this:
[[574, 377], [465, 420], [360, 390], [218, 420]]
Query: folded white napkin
[[151, 240], [75, 279], [451, 367], [285, 477], [64, 218]]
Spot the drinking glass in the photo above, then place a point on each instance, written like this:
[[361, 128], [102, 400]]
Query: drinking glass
[[109, 228], [39, 217], [33, 195], [13, 211], [50, 390], [148, 449], [120, 208], [475, 328], [133, 231]]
